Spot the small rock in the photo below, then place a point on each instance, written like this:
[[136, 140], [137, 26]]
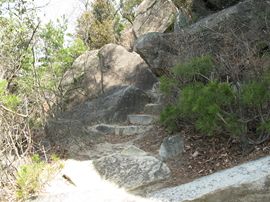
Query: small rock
[[195, 154], [171, 147]]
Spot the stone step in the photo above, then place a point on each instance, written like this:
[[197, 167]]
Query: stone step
[[119, 130], [153, 108], [142, 119]]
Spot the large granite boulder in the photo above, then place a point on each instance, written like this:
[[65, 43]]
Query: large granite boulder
[[127, 38], [71, 129], [228, 31], [182, 21], [154, 16], [83, 79], [150, 16], [120, 67], [248, 182], [132, 169], [97, 71]]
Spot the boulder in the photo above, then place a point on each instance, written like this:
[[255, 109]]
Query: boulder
[[225, 32], [132, 169], [220, 4], [145, 79], [83, 79], [201, 8], [248, 182], [122, 67], [97, 71], [127, 38], [154, 16], [72, 129], [182, 21], [171, 147]]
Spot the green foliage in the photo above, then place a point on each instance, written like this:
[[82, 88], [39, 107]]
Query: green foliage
[[204, 103], [55, 52], [3, 86], [214, 106], [103, 22], [255, 93], [33, 59], [196, 66], [32, 177], [28, 178], [265, 126], [166, 84], [8, 100], [169, 117], [100, 25]]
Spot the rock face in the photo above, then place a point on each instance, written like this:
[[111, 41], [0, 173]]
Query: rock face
[[72, 126], [127, 38], [171, 147], [150, 16], [111, 107], [132, 169], [83, 79], [154, 16], [202, 8], [217, 35], [249, 182], [221, 4], [182, 21], [95, 72], [121, 67]]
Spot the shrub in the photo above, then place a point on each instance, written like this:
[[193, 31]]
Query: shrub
[[169, 116], [31, 177], [9, 100], [214, 106]]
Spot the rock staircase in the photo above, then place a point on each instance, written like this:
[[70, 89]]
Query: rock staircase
[[121, 163]]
